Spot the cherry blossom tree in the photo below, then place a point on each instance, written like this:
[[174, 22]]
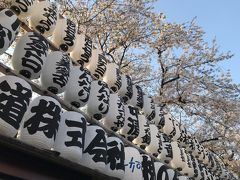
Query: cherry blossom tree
[[192, 85]]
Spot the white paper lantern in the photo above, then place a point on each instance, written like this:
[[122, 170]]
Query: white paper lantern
[[15, 95], [41, 122], [9, 28], [148, 168], [97, 64], [126, 90], [137, 97], [133, 164], [22, 8], [115, 117], [166, 153], [82, 51], [169, 127], [144, 137], [78, 88], [112, 77], [148, 107], [130, 129], [158, 120], [95, 149], [115, 157], [64, 35], [155, 145], [163, 172], [188, 170], [29, 55], [56, 71], [98, 103], [44, 17], [71, 135], [178, 161]]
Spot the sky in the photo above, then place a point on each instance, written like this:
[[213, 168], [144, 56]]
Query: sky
[[218, 18]]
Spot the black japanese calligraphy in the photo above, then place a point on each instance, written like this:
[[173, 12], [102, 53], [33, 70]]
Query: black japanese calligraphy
[[69, 37], [50, 15], [164, 172], [146, 139], [101, 66], [19, 6], [13, 102], [195, 166], [168, 147], [121, 116], [160, 144], [152, 115], [98, 147], [61, 75], [78, 137], [148, 107], [103, 97], [84, 82], [46, 119], [139, 97], [87, 49], [148, 168], [118, 82], [133, 123], [173, 132], [160, 121], [129, 88], [115, 155], [9, 28], [35, 54]]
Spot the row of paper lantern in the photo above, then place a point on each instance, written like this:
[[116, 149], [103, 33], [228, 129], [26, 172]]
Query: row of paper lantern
[[34, 54], [44, 126], [42, 123], [131, 125]]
